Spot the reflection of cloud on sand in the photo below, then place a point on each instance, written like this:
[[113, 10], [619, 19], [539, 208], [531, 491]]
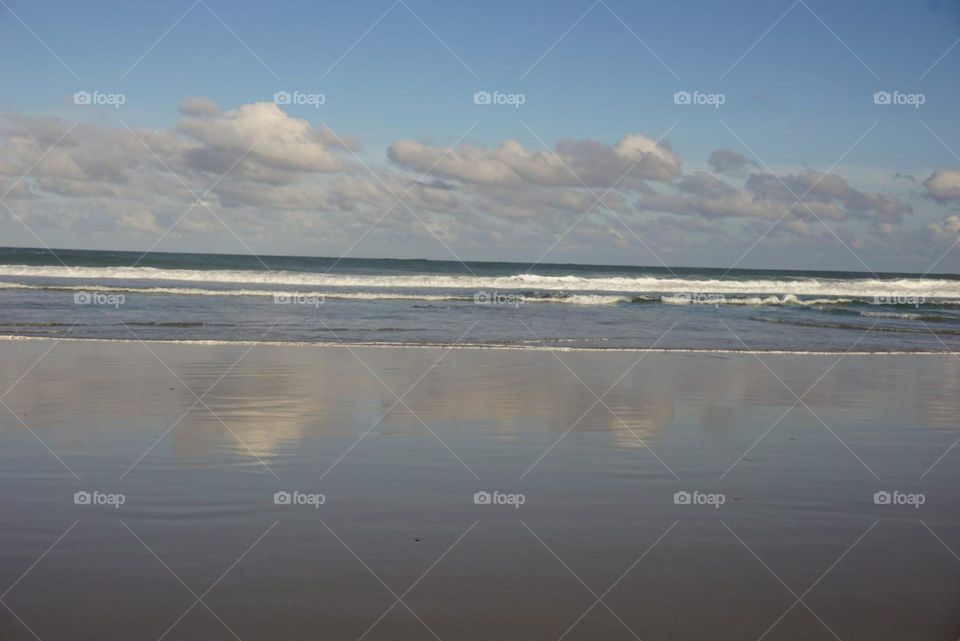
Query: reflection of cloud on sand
[[271, 402], [276, 399]]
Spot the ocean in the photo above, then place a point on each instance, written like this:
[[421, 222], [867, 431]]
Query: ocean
[[75, 294]]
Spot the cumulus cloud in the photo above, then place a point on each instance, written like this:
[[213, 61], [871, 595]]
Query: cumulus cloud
[[947, 229], [257, 142], [574, 163], [943, 185], [271, 175], [257, 147], [830, 195], [703, 184], [735, 204], [770, 196], [729, 162], [264, 132]]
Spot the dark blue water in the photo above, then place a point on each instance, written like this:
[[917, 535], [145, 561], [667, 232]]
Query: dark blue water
[[211, 297]]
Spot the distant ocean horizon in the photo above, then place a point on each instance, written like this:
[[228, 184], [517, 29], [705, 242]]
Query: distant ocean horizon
[[122, 257], [127, 295]]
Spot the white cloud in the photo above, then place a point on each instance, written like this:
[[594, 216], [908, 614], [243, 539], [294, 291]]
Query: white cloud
[[572, 164], [943, 185], [278, 179], [729, 162], [947, 229], [265, 132], [769, 196]]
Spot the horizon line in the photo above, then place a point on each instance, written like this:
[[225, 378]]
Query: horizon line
[[53, 251]]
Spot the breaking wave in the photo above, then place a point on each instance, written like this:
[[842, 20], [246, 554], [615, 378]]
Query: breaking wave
[[483, 296], [862, 288]]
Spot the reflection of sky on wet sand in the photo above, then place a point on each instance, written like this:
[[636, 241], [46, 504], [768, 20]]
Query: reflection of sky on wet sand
[[200, 495], [277, 398]]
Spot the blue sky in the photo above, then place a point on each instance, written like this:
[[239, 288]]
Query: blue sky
[[800, 95]]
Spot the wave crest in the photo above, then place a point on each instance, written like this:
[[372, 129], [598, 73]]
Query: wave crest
[[863, 288]]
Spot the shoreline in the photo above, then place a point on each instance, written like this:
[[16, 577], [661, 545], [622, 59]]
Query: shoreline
[[478, 347]]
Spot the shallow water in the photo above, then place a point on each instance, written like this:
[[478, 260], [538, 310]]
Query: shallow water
[[598, 481]]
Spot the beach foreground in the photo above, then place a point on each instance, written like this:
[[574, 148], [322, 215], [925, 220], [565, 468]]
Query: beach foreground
[[156, 490]]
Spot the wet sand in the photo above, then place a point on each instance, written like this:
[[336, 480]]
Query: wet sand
[[387, 541]]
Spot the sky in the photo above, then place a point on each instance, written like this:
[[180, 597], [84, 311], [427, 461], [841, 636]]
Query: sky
[[758, 134]]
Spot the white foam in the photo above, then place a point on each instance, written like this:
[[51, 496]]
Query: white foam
[[787, 299], [332, 294], [476, 346], [930, 288], [899, 315]]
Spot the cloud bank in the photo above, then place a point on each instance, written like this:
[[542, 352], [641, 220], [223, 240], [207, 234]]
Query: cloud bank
[[271, 176]]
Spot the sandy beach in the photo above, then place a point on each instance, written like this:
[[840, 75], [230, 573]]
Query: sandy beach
[[415, 320], [264, 492]]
